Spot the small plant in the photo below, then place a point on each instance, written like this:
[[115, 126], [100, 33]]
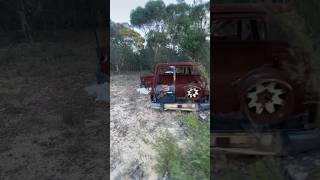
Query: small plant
[[187, 159]]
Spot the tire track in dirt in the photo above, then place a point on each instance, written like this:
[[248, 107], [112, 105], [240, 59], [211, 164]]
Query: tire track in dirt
[[134, 125]]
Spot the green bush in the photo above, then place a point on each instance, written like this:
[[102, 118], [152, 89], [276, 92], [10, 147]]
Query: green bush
[[205, 72], [188, 158]]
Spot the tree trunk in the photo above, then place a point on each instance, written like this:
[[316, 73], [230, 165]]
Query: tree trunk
[[155, 55]]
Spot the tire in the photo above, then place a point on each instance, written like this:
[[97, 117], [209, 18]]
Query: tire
[[193, 93], [266, 99]]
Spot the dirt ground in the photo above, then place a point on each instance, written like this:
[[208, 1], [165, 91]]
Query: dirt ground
[[303, 166], [133, 128], [49, 127]]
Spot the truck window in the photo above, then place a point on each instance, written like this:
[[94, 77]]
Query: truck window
[[239, 29], [225, 29], [165, 70], [188, 70], [253, 29], [181, 70]]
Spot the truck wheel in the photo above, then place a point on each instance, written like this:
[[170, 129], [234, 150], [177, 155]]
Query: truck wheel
[[193, 93], [266, 101]]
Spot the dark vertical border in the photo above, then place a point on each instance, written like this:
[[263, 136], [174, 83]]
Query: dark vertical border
[[108, 54], [211, 65], [102, 35], [211, 85], [108, 80]]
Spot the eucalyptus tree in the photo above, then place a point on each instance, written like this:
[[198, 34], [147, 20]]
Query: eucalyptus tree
[[181, 28], [125, 44]]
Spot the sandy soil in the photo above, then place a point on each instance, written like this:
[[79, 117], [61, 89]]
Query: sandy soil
[[49, 127], [133, 127]]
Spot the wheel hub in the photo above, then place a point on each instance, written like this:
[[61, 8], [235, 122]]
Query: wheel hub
[[265, 98], [193, 92]]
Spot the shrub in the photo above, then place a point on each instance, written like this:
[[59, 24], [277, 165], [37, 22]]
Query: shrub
[[188, 158]]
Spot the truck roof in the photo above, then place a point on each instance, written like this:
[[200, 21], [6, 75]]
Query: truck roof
[[248, 8], [181, 64]]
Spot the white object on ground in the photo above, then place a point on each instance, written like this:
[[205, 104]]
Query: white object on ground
[[203, 115], [101, 91], [143, 90]]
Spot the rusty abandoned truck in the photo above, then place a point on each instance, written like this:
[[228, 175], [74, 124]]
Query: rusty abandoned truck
[[257, 107], [177, 86]]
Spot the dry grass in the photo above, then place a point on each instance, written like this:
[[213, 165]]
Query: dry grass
[[50, 128]]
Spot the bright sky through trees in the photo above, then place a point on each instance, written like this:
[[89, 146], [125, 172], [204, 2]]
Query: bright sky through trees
[[120, 9]]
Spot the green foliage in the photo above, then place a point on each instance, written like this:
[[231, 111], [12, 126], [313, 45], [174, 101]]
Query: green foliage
[[170, 158], [155, 10], [125, 44], [309, 11], [138, 17], [194, 42], [149, 17], [174, 32], [205, 73], [187, 159], [291, 28]]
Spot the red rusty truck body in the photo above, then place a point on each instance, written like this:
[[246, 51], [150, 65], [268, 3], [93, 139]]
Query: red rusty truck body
[[257, 107], [248, 66], [177, 86]]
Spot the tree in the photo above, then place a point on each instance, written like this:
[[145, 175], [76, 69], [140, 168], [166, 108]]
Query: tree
[[194, 43], [149, 18], [181, 28], [125, 44]]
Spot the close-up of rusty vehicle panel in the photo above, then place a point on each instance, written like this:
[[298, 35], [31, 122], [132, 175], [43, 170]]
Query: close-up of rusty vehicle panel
[[177, 86], [257, 107], [103, 51], [103, 65]]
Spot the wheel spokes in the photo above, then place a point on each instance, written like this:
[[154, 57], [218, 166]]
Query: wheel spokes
[[193, 92], [277, 100], [259, 108], [270, 107], [265, 97]]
